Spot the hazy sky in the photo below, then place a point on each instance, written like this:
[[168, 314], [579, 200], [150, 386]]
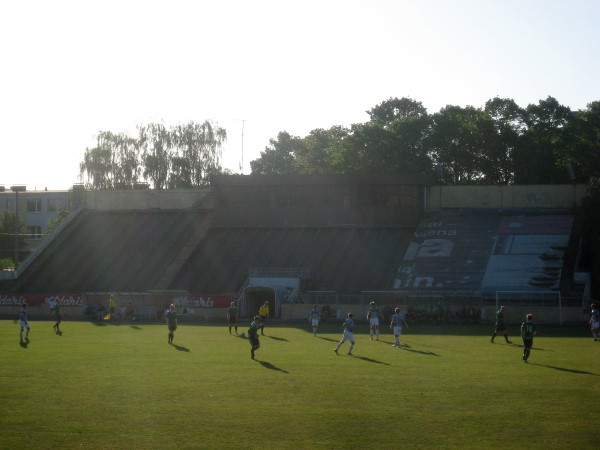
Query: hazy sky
[[69, 69]]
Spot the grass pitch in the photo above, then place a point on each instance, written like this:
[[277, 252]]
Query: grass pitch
[[102, 385]]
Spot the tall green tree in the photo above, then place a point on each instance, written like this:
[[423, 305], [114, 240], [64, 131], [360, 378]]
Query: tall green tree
[[198, 150], [279, 156], [582, 143], [507, 120], [539, 159], [155, 143], [7, 235], [456, 144]]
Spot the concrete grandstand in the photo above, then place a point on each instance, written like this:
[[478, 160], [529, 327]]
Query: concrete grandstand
[[338, 241]]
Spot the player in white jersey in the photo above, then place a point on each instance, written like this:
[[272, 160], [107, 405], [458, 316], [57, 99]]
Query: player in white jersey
[[313, 318], [398, 319], [595, 322], [348, 335], [373, 317]]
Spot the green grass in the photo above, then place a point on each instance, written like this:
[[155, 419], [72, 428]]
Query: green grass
[[123, 386]]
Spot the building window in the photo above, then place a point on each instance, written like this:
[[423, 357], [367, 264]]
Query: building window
[[34, 205], [34, 232], [55, 205]]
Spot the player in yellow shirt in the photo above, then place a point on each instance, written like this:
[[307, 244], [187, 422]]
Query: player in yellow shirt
[[263, 312]]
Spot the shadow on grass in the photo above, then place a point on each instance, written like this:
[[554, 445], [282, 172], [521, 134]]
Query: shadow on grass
[[275, 338], [563, 369], [24, 344], [364, 358], [421, 352], [135, 327], [181, 348], [268, 365], [328, 339]]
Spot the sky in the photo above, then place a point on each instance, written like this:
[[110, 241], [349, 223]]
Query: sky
[[70, 69]]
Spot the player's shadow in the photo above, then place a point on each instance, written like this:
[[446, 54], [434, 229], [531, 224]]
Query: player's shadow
[[275, 338], [371, 360], [268, 365], [181, 348], [135, 327], [421, 352], [327, 339], [563, 369], [23, 344]]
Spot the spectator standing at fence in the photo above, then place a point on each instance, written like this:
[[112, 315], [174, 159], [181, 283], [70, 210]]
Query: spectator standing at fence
[[500, 326], [595, 322], [348, 334], [528, 330], [313, 318], [23, 322], [57, 318], [171, 318], [373, 318], [232, 316], [253, 336], [398, 319], [263, 312]]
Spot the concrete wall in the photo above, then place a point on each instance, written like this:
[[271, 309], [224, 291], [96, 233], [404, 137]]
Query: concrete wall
[[499, 197], [144, 199]]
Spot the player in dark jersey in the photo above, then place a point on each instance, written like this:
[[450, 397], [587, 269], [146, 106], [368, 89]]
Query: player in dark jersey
[[595, 322], [528, 330], [232, 315], [58, 318], [253, 336], [500, 326], [171, 318]]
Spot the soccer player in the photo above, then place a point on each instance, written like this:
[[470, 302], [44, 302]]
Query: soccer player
[[528, 330], [347, 336], [263, 312], [595, 322], [112, 306], [373, 317], [171, 318], [232, 314], [500, 325], [313, 318], [58, 318], [253, 336], [24, 324], [398, 319]]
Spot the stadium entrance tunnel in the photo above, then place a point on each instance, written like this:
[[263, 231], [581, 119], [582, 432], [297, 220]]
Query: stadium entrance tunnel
[[256, 296]]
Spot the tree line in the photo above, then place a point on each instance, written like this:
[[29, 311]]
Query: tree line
[[499, 144], [181, 156]]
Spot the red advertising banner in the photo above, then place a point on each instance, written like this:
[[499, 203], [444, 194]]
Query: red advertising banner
[[40, 299]]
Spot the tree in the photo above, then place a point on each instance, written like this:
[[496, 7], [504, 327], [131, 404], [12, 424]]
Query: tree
[[582, 143], [182, 156], [507, 119], [279, 157], [320, 151], [7, 235], [155, 143], [53, 223], [456, 144], [198, 149], [539, 158]]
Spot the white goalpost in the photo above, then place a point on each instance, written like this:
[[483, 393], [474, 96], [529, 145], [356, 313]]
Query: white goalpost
[[547, 304]]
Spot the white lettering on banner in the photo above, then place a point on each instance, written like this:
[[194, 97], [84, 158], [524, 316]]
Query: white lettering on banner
[[208, 303], [6, 300]]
